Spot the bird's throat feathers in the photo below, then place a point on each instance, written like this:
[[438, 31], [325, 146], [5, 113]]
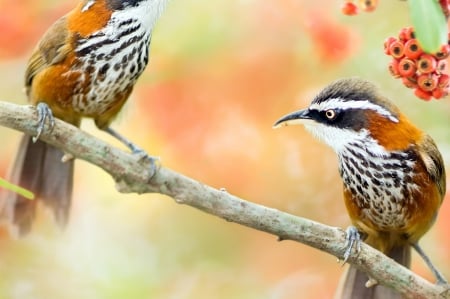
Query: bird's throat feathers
[[102, 12]]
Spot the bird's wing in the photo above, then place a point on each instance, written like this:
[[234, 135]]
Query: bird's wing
[[52, 49], [434, 163]]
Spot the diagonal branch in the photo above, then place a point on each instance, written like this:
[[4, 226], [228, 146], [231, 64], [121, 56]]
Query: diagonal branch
[[132, 175]]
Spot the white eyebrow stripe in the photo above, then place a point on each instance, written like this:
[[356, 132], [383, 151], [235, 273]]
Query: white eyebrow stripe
[[339, 103]]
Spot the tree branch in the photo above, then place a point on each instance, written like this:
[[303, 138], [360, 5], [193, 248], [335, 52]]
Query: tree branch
[[133, 174]]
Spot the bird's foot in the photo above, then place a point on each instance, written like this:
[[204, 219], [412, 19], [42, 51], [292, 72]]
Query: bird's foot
[[137, 151], [353, 239], [153, 161], [45, 115]]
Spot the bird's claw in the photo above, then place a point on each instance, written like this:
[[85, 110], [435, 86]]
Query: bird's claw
[[143, 156], [139, 152], [154, 164], [135, 150], [353, 238], [45, 114]]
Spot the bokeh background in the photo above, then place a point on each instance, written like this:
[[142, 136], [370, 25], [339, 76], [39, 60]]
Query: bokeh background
[[221, 72]]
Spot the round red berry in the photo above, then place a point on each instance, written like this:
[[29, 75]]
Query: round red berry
[[406, 34], [393, 68], [424, 95], [443, 53], [427, 82], [441, 66], [406, 67], [349, 9], [444, 81], [426, 64], [410, 82], [387, 44], [438, 93], [397, 49], [412, 49]]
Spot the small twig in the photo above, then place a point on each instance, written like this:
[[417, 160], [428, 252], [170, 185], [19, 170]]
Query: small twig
[[133, 176]]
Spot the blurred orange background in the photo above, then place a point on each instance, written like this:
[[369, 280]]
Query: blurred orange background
[[221, 72]]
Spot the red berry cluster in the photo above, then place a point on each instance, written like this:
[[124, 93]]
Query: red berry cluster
[[424, 72], [349, 8]]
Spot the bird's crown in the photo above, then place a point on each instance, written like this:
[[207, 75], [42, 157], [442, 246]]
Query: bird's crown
[[345, 103]]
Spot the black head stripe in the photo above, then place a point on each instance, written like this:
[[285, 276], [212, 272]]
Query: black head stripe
[[355, 89], [121, 4], [354, 119]]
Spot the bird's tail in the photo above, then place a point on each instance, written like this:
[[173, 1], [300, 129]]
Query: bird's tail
[[353, 283], [38, 168]]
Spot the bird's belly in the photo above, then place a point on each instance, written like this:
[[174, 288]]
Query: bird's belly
[[99, 97], [385, 214], [381, 190]]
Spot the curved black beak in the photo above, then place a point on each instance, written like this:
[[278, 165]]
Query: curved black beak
[[294, 118]]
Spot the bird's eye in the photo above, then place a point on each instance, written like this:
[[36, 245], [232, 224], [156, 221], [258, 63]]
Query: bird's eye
[[330, 114]]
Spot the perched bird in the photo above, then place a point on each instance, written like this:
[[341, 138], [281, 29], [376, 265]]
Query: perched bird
[[85, 65], [393, 173]]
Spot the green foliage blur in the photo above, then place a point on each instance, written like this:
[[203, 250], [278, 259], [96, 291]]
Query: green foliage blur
[[221, 72], [430, 24]]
